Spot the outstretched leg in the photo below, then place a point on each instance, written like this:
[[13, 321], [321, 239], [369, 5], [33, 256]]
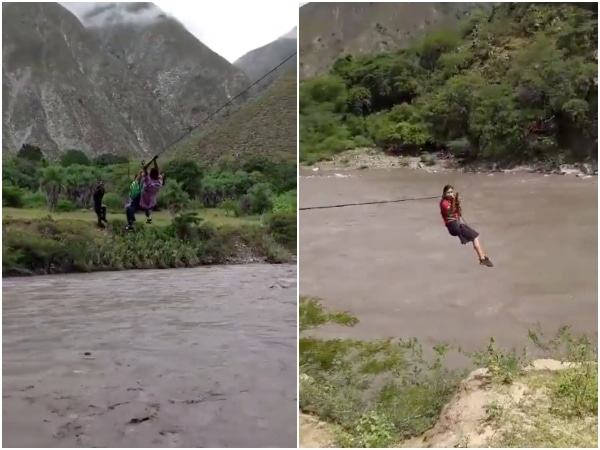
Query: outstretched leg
[[483, 260]]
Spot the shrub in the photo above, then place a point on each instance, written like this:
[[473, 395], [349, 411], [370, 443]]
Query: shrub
[[12, 196]]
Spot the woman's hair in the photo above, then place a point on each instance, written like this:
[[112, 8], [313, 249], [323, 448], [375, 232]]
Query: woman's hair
[[154, 173], [446, 189], [454, 203]]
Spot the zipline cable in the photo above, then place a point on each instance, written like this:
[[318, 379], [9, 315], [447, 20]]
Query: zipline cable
[[378, 202]]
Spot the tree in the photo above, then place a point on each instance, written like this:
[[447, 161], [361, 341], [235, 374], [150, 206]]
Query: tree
[[173, 195], [109, 159], [71, 157], [31, 153], [187, 172], [79, 184], [261, 196], [52, 182]]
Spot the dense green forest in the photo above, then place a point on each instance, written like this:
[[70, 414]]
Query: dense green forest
[[226, 212], [255, 186], [516, 85]]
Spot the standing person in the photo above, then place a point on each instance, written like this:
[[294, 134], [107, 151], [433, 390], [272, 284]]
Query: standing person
[[451, 214], [152, 182], [99, 208]]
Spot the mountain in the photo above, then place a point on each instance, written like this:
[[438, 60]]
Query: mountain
[[61, 90], [186, 77], [260, 61], [329, 30], [265, 125]]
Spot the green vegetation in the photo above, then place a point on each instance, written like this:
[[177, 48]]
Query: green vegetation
[[46, 246], [264, 126], [384, 393], [206, 214], [516, 86]]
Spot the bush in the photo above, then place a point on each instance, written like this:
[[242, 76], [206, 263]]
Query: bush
[[65, 206], [285, 203], [109, 159], [49, 246], [283, 228], [12, 196], [71, 157], [35, 200], [114, 202]]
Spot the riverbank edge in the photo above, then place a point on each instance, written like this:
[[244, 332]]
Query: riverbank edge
[[483, 413], [243, 244], [512, 400], [372, 158]]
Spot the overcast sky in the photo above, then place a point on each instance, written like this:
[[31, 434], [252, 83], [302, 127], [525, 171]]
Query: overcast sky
[[229, 28]]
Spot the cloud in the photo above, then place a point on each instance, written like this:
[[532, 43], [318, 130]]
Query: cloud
[[101, 14], [230, 29]]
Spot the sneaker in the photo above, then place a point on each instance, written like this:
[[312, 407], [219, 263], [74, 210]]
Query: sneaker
[[149, 220], [129, 228], [486, 262]]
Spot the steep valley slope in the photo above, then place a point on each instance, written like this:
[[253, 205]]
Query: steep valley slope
[[328, 30], [187, 78], [123, 78], [61, 91]]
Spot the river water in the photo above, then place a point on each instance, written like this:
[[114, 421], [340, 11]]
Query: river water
[[203, 357], [396, 268]]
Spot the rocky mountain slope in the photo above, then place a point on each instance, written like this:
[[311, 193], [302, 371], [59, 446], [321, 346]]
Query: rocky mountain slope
[[265, 125], [120, 78], [328, 30], [259, 61], [61, 90], [186, 77]]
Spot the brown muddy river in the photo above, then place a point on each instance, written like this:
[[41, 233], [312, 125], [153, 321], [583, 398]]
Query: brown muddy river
[[398, 270], [201, 357]]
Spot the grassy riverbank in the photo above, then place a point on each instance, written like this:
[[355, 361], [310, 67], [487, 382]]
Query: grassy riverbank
[[386, 393], [33, 243]]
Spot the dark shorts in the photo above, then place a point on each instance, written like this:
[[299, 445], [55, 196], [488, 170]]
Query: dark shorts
[[464, 232]]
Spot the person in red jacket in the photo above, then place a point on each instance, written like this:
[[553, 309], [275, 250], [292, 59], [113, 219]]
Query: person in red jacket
[[451, 214]]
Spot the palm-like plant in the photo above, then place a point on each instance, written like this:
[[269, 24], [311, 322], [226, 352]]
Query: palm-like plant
[[52, 181]]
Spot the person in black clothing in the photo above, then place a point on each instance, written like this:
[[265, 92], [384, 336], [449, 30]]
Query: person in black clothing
[[99, 208]]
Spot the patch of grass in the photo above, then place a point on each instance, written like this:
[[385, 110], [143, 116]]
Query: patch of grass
[[312, 314], [375, 391], [43, 245], [381, 393], [558, 410], [214, 215]]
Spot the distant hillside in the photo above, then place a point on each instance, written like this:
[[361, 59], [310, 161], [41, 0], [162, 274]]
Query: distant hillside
[[260, 61], [187, 78], [120, 78], [61, 90], [329, 30], [265, 125], [517, 85]]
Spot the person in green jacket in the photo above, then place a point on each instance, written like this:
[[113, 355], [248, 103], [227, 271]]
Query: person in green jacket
[[135, 191]]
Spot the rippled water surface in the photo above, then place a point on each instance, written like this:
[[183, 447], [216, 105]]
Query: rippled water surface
[[201, 357], [396, 268]]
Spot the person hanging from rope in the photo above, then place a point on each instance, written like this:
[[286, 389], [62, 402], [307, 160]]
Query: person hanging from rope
[[151, 183], [99, 208], [451, 213]]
